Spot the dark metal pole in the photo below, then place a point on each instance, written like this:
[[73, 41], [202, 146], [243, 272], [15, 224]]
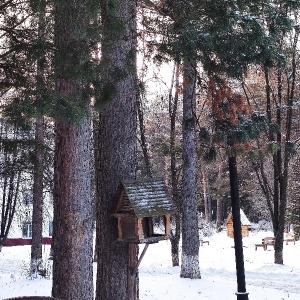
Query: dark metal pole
[[241, 293]]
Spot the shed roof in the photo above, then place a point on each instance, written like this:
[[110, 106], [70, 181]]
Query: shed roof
[[244, 220], [148, 197]]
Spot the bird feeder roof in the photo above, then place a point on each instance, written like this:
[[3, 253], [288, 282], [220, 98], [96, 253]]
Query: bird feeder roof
[[147, 197]]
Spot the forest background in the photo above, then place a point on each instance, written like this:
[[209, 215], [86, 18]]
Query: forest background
[[78, 116]]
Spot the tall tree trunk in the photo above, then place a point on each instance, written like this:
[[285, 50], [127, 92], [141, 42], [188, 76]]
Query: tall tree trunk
[[73, 239], [94, 189], [278, 196], [219, 213], [190, 235], [37, 203], [204, 195], [281, 157], [143, 142], [286, 155], [10, 191], [147, 170], [173, 105], [207, 198], [117, 150]]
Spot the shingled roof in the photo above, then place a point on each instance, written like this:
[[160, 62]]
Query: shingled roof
[[148, 197]]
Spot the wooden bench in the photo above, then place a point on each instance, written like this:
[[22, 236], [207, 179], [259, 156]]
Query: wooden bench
[[259, 245], [265, 242], [268, 241], [203, 242], [290, 237]]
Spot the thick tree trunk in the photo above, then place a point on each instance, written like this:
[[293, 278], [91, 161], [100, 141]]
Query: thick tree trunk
[[94, 184], [73, 239], [73, 222], [190, 235], [116, 279], [279, 239]]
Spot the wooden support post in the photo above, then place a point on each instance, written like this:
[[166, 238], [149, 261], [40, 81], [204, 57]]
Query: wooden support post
[[134, 270], [150, 224], [140, 228], [168, 225], [120, 233]]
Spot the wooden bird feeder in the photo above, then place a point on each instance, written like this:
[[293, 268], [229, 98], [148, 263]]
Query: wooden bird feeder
[[143, 211]]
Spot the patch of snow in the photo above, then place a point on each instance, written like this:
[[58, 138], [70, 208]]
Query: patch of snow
[[160, 281]]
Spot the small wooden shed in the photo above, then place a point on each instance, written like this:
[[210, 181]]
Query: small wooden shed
[[245, 223], [143, 211]]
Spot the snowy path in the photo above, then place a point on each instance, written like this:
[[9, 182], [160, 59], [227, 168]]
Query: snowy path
[[160, 281]]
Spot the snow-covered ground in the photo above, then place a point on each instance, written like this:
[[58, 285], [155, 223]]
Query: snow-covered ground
[[160, 281]]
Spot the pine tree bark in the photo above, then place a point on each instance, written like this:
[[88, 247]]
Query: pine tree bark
[[173, 105], [116, 278], [73, 239], [190, 234], [37, 203]]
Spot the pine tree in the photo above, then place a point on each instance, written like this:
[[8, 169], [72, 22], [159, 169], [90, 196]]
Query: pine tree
[[73, 221], [38, 186], [117, 148]]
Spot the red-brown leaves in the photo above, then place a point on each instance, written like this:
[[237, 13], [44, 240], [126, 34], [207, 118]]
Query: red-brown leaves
[[228, 107]]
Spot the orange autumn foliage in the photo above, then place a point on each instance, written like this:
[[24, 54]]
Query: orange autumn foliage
[[227, 106]]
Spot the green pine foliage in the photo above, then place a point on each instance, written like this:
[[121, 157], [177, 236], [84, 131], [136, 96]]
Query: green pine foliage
[[225, 36], [24, 46]]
